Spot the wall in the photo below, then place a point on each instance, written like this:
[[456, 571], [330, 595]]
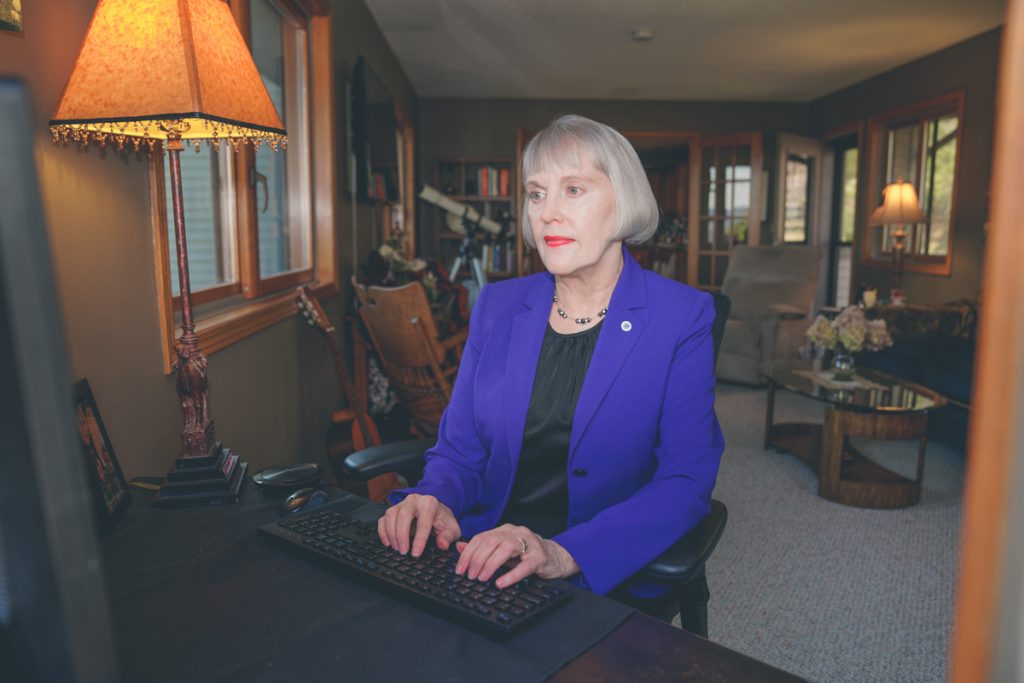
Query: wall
[[272, 393], [972, 65], [487, 128], [355, 33]]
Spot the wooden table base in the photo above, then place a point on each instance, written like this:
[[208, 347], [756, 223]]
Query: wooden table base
[[845, 475]]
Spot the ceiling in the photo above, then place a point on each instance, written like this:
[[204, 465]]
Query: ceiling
[[724, 50]]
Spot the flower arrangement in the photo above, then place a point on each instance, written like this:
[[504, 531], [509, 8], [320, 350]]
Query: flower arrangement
[[849, 332]]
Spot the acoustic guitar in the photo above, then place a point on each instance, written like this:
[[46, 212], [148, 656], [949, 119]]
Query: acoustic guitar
[[363, 430]]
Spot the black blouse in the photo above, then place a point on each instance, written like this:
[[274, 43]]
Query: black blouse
[[540, 494]]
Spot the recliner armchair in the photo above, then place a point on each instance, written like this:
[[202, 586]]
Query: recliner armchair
[[772, 290], [680, 568]]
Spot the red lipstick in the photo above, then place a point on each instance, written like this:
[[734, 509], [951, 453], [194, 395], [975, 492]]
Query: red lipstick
[[557, 240]]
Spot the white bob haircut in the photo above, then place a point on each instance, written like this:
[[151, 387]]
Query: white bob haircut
[[561, 142]]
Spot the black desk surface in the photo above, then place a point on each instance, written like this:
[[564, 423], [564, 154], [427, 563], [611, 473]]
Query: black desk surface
[[197, 595]]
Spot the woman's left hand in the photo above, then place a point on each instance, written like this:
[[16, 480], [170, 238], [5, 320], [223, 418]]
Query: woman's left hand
[[488, 551]]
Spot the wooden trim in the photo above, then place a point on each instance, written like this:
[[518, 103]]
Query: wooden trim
[[923, 264], [407, 192], [205, 296], [522, 136], [308, 8], [842, 130], [162, 257], [922, 108], [689, 136], [994, 444], [219, 330], [246, 214], [757, 177], [322, 120], [275, 283], [247, 222], [693, 221]]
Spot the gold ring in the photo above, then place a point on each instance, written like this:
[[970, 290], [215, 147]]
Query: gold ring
[[525, 546]]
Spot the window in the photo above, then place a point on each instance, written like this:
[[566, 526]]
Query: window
[[844, 207], [279, 48], [796, 215], [206, 181], [920, 145], [250, 223], [728, 208]]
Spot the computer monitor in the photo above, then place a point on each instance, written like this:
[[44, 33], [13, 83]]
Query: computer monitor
[[54, 616]]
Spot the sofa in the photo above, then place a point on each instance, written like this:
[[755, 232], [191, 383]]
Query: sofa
[[933, 345]]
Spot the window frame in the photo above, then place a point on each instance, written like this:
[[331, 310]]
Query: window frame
[[233, 311], [878, 129], [809, 198], [856, 131]]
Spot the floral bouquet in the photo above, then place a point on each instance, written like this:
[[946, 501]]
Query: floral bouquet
[[849, 332]]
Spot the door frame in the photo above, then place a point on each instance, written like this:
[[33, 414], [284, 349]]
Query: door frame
[[989, 621]]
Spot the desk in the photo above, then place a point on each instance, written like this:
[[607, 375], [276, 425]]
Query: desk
[[198, 596]]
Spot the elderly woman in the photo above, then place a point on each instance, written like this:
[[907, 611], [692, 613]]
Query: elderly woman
[[581, 436]]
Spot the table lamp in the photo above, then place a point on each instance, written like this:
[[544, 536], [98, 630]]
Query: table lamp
[[899, 207], [159, 73]]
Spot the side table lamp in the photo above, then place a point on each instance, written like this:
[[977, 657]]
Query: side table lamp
[[158, 74], [900, 208]]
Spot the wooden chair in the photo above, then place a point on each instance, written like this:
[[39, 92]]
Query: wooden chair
[[420, 367]]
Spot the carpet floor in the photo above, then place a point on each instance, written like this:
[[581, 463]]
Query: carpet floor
[[823, 590]]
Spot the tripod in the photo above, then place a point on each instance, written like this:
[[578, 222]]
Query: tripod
[[468, 255]]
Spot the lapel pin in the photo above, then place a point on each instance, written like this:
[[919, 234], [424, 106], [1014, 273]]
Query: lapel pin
[[626, 326]]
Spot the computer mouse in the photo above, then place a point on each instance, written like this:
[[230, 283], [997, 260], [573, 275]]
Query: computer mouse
[[303, 500]]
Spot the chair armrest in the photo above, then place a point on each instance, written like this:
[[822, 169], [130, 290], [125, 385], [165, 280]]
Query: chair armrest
[[787, 311], [684, 560], [456, 339], [400, 456]]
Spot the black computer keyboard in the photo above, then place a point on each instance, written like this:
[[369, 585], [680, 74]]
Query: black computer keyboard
[[352, 549]]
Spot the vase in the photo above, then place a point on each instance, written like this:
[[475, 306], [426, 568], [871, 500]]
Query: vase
[[842, 366]]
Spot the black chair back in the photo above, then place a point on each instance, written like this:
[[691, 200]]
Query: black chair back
[[722, 306]]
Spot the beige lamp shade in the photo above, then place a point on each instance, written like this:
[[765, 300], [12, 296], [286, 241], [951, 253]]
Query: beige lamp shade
[[154, 69], [899, 206]]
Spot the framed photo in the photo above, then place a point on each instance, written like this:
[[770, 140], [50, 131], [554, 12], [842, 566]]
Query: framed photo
[[10, 15], [110, 492]]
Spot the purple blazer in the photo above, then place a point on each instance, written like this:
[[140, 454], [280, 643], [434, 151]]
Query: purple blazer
[[645, 444]]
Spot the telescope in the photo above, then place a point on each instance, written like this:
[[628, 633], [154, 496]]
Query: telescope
[[460, 216]]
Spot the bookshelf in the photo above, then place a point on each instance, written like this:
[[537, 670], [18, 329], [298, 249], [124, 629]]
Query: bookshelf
[[487, 185]]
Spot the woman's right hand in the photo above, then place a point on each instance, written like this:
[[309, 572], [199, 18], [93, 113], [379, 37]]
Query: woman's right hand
[[429, 513]]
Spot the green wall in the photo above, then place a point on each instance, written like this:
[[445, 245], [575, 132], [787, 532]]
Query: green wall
[[271, 395]]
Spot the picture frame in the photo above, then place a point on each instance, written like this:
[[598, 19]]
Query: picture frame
[[109, 490], [10, 15]]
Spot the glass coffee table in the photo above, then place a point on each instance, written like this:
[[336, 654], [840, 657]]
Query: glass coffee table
[[874, 405]]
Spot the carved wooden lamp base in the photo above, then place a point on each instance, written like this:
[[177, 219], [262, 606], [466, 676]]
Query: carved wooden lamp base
[[213, 479]]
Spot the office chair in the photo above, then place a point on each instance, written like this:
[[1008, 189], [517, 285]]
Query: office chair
[[680, 568]]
